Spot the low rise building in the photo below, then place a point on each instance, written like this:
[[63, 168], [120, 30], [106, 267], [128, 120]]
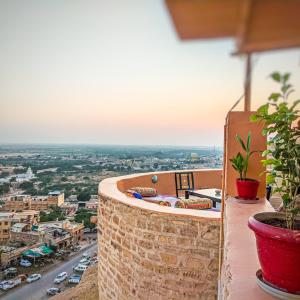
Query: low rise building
[[16, 222], [39, 203], [5, 225], [17, 203], [56, 198]]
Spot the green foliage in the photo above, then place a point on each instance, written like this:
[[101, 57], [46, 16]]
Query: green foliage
[[85, 216], [239, 162], [4, 188], [84, 196], [56, 213], [4, 174], [283, 156], [26, 185]]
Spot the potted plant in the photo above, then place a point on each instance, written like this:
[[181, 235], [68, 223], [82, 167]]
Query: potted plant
[[246, 187], [278, 233]]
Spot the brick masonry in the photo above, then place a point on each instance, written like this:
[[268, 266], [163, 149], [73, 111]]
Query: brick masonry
[[146, 254]]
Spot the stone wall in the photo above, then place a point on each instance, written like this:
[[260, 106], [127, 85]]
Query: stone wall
[[155, 253]]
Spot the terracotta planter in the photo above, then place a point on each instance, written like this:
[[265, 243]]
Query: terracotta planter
[[247, 189], [278, 252]]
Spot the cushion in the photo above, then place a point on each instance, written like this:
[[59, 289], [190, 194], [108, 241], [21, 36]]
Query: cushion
[[198, 203], [145, 191]]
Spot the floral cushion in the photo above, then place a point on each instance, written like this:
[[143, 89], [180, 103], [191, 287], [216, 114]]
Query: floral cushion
[[145, 191]]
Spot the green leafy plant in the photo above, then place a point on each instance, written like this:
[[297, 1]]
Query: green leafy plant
[[282, 158], [239, 162]]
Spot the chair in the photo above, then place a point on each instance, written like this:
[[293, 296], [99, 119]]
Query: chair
[[184, 181]]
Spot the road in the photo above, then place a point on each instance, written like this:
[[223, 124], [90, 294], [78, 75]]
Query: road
[[37, 289]]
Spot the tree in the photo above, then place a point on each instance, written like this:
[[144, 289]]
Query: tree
[[26, 185], [56, 213], [85, 216], [4, 174], [4, 188], [84, 196]]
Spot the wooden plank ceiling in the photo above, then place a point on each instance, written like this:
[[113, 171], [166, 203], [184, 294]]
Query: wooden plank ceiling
[[257, 25]]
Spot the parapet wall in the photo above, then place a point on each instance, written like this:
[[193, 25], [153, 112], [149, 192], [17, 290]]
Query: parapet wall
[[147, 251]]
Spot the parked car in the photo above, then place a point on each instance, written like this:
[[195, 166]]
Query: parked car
[[80, 268], [85, 261], [61, 277], [85, 255], [53, 291], [33, 277], [7, 284], [10, 272], [25, 263], [75, 278]]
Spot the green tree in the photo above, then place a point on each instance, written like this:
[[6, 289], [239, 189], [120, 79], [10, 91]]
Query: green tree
[[4, 188], [84, 196], [56, 213], [85, 216]]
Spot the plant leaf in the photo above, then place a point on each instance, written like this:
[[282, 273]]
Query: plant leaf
[[276, 76], [274, 96], [241, 142]]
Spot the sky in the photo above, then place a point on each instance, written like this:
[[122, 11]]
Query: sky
[[115, 72]]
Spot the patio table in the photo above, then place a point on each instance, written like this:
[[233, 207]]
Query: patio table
[[206, 193]]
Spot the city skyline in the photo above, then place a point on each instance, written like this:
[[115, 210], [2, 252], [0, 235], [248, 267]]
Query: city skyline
[[117, 74]]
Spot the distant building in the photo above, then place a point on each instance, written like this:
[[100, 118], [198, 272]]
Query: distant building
[[29, 175], [40, 203], [16, 222], [56, 198], [92, 204], [5, 225], [17, 203]]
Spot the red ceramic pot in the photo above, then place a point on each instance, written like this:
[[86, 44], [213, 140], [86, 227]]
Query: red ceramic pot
[[278, 252], [247, 188]]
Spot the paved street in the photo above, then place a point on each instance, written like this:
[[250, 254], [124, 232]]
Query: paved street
[[37, 290]]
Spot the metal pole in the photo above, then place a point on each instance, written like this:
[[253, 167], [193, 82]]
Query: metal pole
[[247, 103]]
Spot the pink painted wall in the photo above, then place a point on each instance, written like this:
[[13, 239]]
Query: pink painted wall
[[238, 123]]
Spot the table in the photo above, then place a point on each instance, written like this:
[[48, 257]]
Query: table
[[206, 193]]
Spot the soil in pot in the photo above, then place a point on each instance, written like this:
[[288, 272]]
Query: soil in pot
[[281, 223]]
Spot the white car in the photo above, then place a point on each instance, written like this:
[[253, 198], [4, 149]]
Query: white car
[[25, 263], [85, 261], [33, 277], [86, 255], [7, 284], [61, 277], [80, 268]]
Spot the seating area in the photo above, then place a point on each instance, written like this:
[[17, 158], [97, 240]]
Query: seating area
[[186, 196]]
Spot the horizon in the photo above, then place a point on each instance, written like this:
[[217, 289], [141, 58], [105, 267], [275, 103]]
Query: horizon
[[111, 73], [199, 147]]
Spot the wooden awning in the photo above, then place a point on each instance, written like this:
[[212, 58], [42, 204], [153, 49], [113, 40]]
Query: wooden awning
[[257, 25]]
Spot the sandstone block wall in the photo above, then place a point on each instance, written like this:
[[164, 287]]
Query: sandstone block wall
[[146, 254]]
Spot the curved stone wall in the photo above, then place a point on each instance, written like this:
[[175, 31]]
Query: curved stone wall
[[147, 251]]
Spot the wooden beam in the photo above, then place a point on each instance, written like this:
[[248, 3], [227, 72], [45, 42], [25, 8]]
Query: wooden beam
[[247, 103], [244, 22]]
